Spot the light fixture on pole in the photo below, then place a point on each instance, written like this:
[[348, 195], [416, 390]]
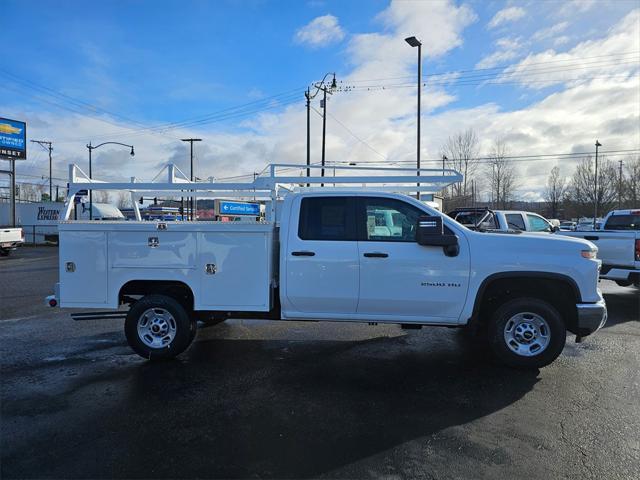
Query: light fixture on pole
[[595, 188], [414, 42], [91, 148]]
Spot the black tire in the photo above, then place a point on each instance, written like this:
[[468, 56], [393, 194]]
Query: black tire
[[624, 283], [178, 323], [557, 332], [4, 252]]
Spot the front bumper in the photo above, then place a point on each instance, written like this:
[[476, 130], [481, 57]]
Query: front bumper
[[591, 317]]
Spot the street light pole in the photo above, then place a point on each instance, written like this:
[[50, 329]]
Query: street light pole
[[595, 188], [620, 186], [192, 203], [49, 147], [91, 148], [414, 42]]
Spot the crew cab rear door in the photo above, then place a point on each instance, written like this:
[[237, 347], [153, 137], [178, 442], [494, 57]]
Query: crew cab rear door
[[321, 258], [400, 279]]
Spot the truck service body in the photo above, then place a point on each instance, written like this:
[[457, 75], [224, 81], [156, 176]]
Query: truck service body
[[335, 254]]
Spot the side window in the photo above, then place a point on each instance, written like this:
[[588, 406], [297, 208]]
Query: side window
[[515, 221], [327, 218], [387, 220], [538, 224]]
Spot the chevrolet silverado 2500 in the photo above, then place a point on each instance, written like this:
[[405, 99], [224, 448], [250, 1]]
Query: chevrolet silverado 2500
[[355, 254]]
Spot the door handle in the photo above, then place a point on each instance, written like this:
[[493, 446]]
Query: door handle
[[591, 237], [303, 254], [376, 255]]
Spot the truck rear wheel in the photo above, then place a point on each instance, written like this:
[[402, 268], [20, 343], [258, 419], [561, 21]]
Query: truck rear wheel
[[527, 333], [158, 327]]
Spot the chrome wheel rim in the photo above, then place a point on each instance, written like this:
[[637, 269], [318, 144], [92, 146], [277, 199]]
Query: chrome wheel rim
[[527, 334], [156, 327]]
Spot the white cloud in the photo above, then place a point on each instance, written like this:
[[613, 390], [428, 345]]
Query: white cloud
[[550, 32], [607, 56], [508, 49], [509, 14], [571, 7], [320, 31]]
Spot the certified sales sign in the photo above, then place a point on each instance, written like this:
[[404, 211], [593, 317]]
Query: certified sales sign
[[237, 208], [13, 139]]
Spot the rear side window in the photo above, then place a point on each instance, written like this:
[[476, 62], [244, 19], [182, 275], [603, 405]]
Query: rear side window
[[327, 218], [515, 221], [623, 222]]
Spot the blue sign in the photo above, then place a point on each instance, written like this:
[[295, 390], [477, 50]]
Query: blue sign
[[13, 139], [238, 208]]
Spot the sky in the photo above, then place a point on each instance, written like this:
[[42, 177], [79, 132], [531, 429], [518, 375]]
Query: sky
[[546, 77]]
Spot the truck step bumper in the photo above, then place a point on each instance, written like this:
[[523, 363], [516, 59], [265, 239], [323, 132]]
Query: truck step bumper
[[591, 317]]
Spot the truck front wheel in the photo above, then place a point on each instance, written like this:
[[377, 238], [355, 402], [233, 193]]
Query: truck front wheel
[[158, 327], [527, 333]]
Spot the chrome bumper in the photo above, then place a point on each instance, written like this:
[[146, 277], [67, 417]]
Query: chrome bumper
[[591, 317]]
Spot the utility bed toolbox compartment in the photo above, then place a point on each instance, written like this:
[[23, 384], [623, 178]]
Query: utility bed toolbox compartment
[[227, 266]]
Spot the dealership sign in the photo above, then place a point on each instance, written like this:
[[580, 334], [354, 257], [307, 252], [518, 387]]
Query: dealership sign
[[223, 207], [13, 139]]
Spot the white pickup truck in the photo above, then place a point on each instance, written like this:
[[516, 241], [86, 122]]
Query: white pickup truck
[[618, 244], [358, 254], [10, 238], [485, 219]]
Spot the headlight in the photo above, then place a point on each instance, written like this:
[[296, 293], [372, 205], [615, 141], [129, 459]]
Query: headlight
[[589, 253]]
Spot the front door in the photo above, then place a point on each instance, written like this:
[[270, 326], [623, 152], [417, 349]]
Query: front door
[[322, 259], [398, 277]]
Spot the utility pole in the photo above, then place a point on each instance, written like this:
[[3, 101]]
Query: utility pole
[[192, 203], [595, 188], [324, 129], [49, 146], [320, 86], [620, 186], [307, 95]]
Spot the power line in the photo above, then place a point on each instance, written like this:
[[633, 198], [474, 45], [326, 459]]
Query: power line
[[498, 68]]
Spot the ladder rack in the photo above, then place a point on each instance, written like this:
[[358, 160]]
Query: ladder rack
[[275, 181]]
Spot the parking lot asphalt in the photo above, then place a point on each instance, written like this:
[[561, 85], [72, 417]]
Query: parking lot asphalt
[[270, 399]]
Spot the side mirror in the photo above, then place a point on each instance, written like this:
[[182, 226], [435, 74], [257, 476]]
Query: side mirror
[[555, 228], [430, 232]]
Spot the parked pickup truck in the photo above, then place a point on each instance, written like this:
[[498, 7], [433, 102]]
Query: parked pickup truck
[[10, 238], [618, 244], [356, 254], [502, 220]]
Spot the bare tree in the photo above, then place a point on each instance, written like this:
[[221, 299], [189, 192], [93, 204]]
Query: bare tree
[[632, 182], [101, 196], [555, 190], [501, 174], [581, 190], [124, 200], [461, 151]]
